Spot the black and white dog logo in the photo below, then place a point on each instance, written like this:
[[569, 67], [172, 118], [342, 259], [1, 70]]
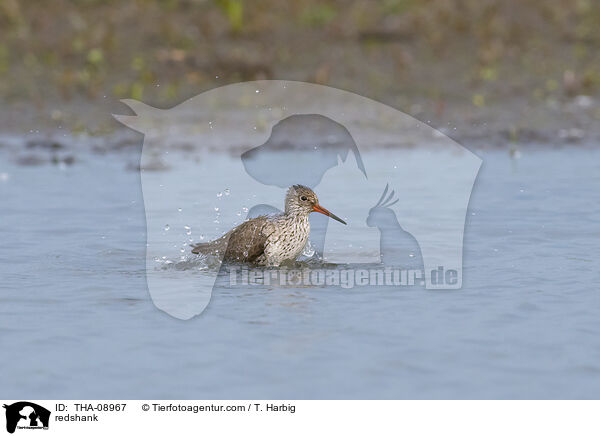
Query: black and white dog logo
[[26, 415]]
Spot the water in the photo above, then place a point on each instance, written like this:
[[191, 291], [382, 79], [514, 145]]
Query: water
[[77, 321]]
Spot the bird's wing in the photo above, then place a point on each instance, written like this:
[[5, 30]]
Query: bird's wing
[[247, 241]]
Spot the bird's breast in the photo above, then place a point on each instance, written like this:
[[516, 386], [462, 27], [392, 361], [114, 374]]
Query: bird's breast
[[291, 238]]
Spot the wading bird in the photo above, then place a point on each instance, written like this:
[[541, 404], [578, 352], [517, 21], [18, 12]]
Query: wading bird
[[270, 240]]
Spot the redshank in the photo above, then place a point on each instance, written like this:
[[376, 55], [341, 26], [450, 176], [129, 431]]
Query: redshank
[[269, 240]]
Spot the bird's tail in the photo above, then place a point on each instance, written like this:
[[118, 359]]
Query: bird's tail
[[212, 248], [203, 248]]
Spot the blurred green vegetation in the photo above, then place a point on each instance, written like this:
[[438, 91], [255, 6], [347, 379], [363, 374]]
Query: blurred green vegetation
[[163, 50]]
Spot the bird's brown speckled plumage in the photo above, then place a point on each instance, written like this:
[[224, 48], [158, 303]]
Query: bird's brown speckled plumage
[[269, 240]]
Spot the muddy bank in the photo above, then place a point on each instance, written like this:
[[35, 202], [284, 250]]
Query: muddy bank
[[483, 72], [88, 129]]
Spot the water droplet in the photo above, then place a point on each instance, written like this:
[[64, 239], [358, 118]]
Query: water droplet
[[219, 194], [167, 227], [245, 209], [182, 250], [201, 237], [227, 191], [257, 91], [179, 209], [216, 209], [308, 250]]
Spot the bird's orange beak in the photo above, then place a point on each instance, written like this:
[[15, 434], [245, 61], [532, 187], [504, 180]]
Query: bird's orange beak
[[318, 208]]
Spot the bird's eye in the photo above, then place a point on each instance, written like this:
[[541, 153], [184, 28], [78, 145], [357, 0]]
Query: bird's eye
[[303, 198]]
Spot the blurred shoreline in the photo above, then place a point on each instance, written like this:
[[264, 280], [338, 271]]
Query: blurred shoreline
[[486, 73]]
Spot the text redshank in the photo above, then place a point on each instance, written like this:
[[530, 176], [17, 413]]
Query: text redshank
[[269, 240]]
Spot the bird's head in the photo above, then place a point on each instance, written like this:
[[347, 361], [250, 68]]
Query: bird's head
[[301, 200]]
